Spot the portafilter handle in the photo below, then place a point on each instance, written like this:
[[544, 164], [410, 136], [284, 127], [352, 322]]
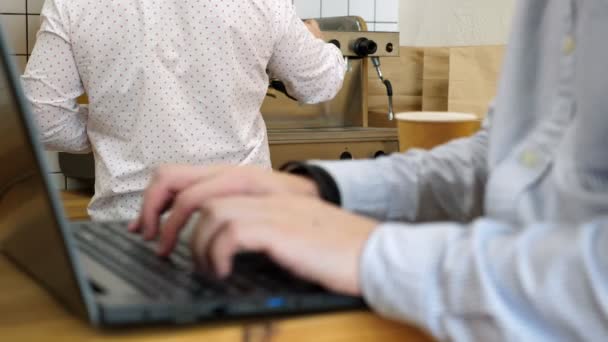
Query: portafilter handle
[[387, 84]]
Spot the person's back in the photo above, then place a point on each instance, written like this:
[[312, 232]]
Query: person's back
[[168, 82]]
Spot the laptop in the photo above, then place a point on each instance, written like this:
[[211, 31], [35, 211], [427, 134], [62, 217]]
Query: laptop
[[108, 276]]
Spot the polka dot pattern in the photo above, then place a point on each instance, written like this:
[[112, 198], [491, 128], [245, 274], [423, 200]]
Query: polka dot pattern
[[168, 81]]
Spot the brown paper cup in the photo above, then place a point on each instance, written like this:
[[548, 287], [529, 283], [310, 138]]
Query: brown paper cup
[[430, 129]]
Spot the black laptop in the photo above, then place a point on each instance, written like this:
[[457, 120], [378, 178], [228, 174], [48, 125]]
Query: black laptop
[[108, 276]]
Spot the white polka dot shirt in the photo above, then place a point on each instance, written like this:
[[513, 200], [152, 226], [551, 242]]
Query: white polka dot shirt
[[168, 81]]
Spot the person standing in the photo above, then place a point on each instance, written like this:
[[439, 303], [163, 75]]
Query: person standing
[[168, 82]]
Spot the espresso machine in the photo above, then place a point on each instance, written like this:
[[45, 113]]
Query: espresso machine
[[337, 129]]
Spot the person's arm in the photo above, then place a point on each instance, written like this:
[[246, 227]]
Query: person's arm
[[485, 281], [418, 185], [492, 281], [52, 84], [312, 70]]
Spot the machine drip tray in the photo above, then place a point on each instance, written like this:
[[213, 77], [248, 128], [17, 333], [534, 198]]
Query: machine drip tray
[[331, 143], [342, 134]]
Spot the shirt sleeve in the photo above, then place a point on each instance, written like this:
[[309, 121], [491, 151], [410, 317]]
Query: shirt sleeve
[[52, 84], [312, 70], [492, 281], [418, 185]]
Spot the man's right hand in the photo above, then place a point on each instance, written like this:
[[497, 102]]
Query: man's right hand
[[184, 189], [313, 27]]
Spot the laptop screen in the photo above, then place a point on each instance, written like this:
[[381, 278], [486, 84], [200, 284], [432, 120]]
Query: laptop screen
[[30, 230]]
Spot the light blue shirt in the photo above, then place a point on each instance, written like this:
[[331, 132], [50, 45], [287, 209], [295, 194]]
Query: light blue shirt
[[523, 252]]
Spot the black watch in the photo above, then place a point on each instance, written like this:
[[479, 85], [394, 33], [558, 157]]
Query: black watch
[[326, 185]]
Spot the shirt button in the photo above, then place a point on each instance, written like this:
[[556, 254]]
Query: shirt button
[[529, 159], [569, 45]]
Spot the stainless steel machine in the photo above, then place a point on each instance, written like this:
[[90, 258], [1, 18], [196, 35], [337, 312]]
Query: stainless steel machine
[[337, 129]]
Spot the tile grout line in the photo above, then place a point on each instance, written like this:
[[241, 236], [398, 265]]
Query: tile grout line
[[27, 31], [320, 8], [375, 15]]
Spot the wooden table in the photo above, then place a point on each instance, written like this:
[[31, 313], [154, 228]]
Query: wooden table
[[28, 313]]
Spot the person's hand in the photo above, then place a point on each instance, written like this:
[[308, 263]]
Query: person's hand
[[313, 27], [311, 238], [184, 189]]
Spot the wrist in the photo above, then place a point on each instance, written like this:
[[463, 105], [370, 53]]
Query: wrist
[[367, 228], [307, 186], [324, 185]]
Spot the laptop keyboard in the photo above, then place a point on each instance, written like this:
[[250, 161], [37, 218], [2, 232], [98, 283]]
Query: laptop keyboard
[[134, 260]]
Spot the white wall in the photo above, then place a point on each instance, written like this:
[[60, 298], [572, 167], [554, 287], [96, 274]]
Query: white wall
[[380, 15], [454, 22]]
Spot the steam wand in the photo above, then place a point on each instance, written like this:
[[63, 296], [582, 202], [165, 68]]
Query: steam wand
[[388, 85]]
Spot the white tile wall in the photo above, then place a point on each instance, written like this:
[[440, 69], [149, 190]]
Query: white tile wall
[[34, 6], [14, 26], [363, 8], [21, 62], [8, 6], [381, 15], [33, 24], [20, 20], [308, 9], [387, 11], [334, 8], [387, 27]]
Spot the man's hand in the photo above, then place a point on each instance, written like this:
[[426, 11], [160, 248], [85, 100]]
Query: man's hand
[[312, 239], [313, 27], [185, 189]]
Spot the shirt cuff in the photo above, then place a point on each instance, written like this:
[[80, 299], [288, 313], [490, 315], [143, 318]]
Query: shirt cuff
[[363, 191], [327, 187], [400, 273]]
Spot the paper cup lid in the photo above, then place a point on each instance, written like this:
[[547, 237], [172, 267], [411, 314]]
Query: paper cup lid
[[436, 117]]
